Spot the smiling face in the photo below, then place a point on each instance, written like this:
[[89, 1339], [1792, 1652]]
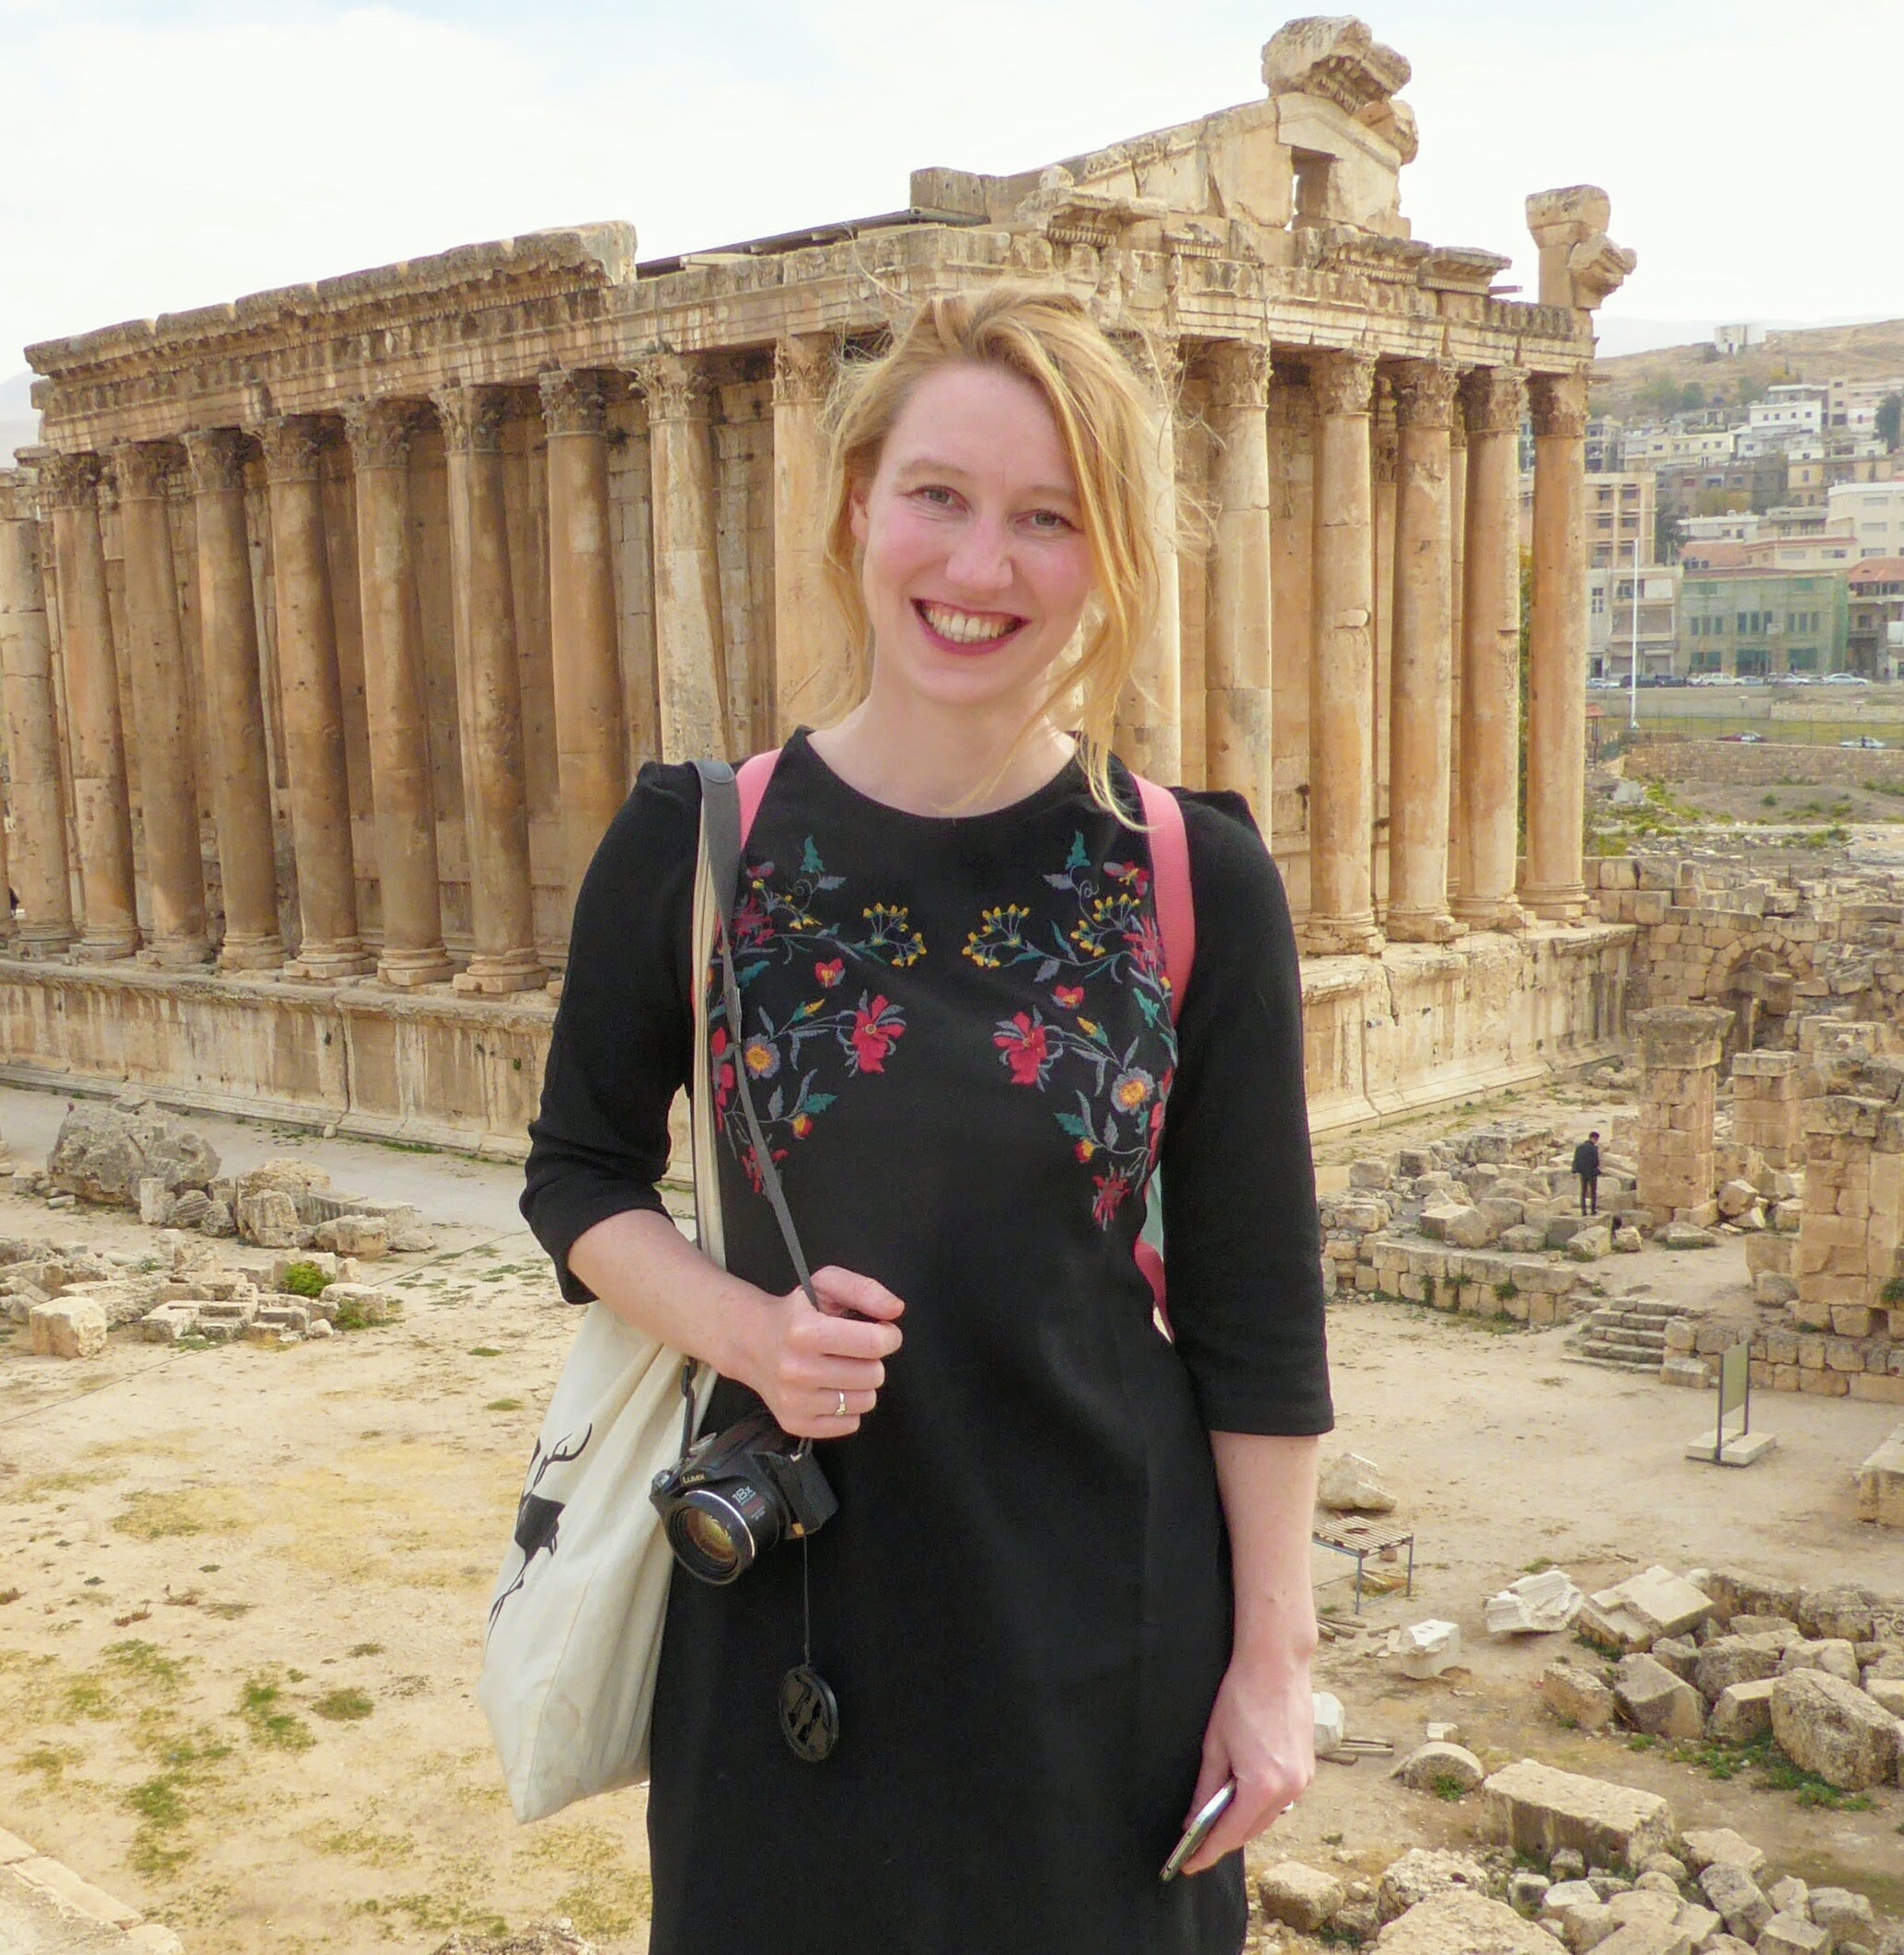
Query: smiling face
[[974, 561]]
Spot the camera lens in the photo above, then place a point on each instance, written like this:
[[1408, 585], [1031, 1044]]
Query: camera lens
[[710, 1536]]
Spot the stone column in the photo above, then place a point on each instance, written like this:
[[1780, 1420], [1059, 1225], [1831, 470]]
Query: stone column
[[1557, 653], [241, 786], [1679, 1052], [1490, 777], [1457, 546], [175, 870], [312, 699], [1853, 1220], [488, 696], [1151, 715], [1423, 656], [1239, 752], [396, 704], [37, 854], [691, 650], [803, 648], [1767, 1112], [1342, 750], [590, 730], [1384, 448], [102, 821]]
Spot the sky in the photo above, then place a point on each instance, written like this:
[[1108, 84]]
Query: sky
[[165, 154]]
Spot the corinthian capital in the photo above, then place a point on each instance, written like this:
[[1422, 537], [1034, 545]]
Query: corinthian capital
[[143, 468], [1239, 376], [472, 417], [1343, 382], [573, 402], [675, 387], [293, 447], [1492, 397], [69, 481], [1425, 392], [215, 457], [380, 432], [1560, 404], [803, 370]]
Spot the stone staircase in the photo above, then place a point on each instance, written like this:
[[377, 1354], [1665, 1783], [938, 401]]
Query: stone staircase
[[1628, 1334]]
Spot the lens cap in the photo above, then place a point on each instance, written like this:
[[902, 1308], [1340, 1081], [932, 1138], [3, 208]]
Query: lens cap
[[809, 1714]]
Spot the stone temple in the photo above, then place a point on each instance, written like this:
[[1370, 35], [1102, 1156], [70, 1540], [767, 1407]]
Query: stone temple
[[337, 620]]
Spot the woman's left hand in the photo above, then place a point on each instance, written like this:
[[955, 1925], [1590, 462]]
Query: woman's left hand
[[1261, 1734]]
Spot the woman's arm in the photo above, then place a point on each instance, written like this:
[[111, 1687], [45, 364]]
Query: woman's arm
[[1262, 1728], [798, 1359]]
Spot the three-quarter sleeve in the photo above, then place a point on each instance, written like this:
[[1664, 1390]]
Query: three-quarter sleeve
[[624, 1032], [1242, 1239]]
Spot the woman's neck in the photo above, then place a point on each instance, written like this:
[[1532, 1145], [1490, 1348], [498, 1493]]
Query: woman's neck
[[918, 758]]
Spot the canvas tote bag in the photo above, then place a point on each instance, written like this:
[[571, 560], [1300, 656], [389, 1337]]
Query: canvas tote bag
[[575, 1622]]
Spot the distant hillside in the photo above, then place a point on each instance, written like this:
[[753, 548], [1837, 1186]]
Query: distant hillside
[[1815, 352]]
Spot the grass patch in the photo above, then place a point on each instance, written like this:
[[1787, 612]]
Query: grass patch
[[1775, 1771], [51, 1761], [164, 1516], [1538, 1566], [1445, 1784], [504, 1404], [306, 1279], [164, 1804], [364, 1650], [485, 1350], [343, 1706], [350, 1317], [365, 1842], [259, 1705], [430, 1914]]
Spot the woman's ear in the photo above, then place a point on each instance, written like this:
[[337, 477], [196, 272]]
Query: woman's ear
[[856, 510]]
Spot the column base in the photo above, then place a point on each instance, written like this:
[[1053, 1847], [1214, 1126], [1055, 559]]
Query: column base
[[496, 977], [329, 962], [43, 940], [406, 969], [1342, 937], [107, 947], [554, 987], [251, 953], [1424, 926], [1501, 914], [176, 953], [1559, 903]]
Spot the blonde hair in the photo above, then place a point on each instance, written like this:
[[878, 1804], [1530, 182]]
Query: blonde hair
[[1105, 420]]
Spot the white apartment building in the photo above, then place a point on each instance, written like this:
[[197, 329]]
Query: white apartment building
[[1650, 447], [1610, 621], [1794, 407], [1733, 527], [1873, 513], [1853, 404]]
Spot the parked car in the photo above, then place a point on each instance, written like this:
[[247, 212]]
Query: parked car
[[1745, 739], [1866, 740], [1846, 678]]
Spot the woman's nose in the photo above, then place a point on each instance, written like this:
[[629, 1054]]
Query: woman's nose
[[981, 558]]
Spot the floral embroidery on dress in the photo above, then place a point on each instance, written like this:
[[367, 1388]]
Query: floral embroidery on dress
[[1106, 935], [837, 1035]]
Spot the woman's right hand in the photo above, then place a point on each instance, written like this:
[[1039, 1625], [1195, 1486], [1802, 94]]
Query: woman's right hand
[[800, 1360]]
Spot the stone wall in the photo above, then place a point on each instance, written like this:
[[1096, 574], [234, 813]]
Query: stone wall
[[1733, 763]]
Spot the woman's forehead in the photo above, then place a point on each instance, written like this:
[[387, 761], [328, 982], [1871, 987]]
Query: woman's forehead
[[980, 421]]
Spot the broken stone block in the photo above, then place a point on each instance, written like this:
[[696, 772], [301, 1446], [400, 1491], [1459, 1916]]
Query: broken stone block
[[1735, 1198], [1329, 1720], [153, 1199], [1627, 1241], [1300, 1897], [1536, 1808], [1352, 1485], [1887, 1691], [1730, 1659], [1839, 1613], [1535, 1605], [1447, 1770], [1679, 1654], [1527, 1891], [1735, 1593], [1835, 1656], [189, 1208], [1848, 1918], [1742, 1713], [1830, 1727], [1423, 1872], [1589, 1244], [1788, 1896], [367, 1305], [1735, 1897], [284, 1173], [1667, 1603], [66, 1327], [1524, 1239], [1654, 1700], [1792, 1935], [1577, 1697], [103, 1152], [1424, 1649], [1459, 1923], [1471, 1228], [268, 1217], [1692, 1374], [168, 1323], [1684, 1235], [1369, 1171], [366, 1237]]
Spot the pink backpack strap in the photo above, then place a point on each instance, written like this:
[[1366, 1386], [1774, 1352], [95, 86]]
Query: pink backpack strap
[[752, 777], [1169, 858]]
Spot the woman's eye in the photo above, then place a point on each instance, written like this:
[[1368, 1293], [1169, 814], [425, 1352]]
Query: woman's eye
[[1049, 522], [938, 497]]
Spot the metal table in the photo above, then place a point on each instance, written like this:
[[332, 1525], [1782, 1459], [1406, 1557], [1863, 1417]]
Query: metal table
[[1358, 1538]]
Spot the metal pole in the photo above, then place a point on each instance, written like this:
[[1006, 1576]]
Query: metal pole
[[1632, 688]]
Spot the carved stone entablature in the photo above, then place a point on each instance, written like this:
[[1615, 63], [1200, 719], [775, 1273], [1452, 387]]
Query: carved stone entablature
[[293, 447], [380, 432], [69, 481], [1580, 265], [1559, 404], [1342, 248], [1336, 57], [574, 401], [675, 387], [804, 368], [144, 469], [1343, 381], [17, 497], [1493, 399], [1071, 213], [1239, 376], [1461, 268], [473, 418], [1425, 392], [215, 459], [1158, 362]]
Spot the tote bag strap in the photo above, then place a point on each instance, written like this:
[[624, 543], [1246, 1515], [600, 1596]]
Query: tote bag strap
[[1170, 859]]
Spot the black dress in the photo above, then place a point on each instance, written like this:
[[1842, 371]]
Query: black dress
[[959, 1036]]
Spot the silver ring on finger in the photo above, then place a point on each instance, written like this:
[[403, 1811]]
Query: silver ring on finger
[[839, 1411]]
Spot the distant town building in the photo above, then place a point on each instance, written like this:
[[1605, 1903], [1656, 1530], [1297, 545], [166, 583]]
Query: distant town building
[[1619, 509], [1807, 550], [1610, 621], [1760, 623], [1873, 512], [1876, 641], [1732, 340], [1853, 404]]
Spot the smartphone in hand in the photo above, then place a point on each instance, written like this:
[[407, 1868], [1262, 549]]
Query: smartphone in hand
[[1198, 1831]]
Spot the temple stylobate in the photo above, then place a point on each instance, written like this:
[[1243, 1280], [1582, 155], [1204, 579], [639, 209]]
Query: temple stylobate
[[337, 620]]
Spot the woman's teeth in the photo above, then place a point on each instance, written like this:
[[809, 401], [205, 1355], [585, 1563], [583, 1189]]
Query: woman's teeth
[[968, 628]]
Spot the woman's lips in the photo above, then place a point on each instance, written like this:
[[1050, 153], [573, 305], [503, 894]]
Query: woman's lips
[[952, 629]]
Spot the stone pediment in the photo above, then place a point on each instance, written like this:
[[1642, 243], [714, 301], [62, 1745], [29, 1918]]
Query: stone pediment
[[1334, 56]]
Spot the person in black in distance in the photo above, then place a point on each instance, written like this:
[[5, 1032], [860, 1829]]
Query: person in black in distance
[[1587, 1164]]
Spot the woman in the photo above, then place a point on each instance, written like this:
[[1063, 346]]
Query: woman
[[1067, 1594]]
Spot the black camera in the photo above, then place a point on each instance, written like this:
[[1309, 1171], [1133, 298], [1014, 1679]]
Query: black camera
[[734, 1493]]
